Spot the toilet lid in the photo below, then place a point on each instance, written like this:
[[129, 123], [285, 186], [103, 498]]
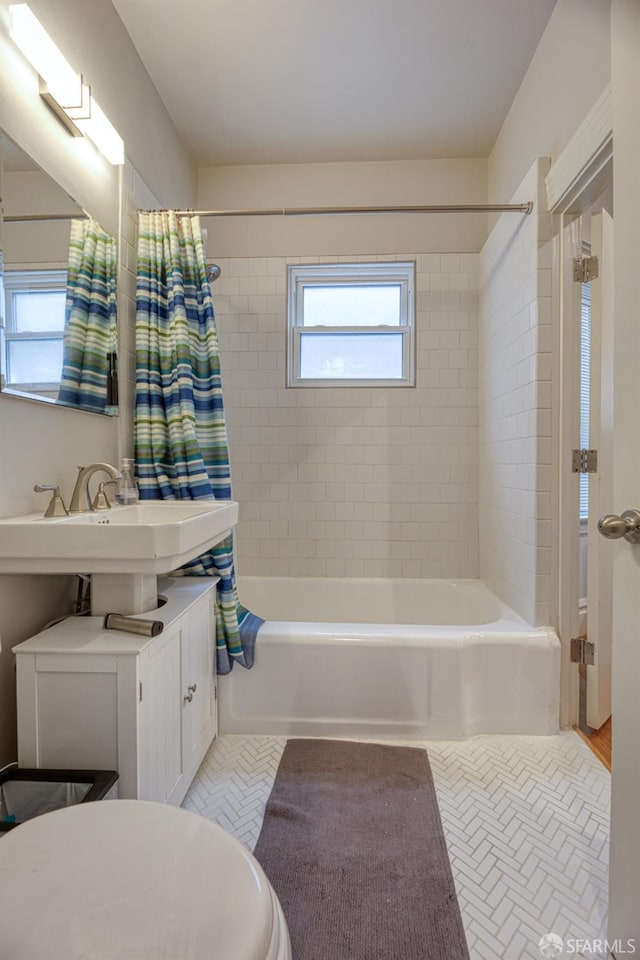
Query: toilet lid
[[132, 880]]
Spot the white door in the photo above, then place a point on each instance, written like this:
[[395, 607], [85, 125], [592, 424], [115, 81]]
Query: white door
[[599, 553], [198, 687], [160, 720], [624, 886]]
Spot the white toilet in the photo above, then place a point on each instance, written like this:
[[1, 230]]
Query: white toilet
[[133, 880]]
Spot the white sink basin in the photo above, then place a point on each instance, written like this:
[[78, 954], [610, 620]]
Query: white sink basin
[[150, 537]]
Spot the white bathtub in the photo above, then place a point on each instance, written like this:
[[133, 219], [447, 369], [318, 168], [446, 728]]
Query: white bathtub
[[403, 659]]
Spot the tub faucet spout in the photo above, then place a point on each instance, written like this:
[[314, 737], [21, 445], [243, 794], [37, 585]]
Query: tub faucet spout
[[80, 500]]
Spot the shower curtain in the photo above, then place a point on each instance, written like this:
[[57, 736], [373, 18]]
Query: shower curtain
[[180, 432], [89, 344]]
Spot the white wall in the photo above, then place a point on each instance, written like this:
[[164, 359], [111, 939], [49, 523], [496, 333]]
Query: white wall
[[343, 184], [515, 405], [40, 442], [95, 42], [568, 72], [352, 481]]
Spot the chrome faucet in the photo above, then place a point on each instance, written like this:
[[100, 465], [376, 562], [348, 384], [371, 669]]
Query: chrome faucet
[[80, 501]]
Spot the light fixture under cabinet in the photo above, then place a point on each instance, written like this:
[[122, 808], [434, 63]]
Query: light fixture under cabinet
[[61, 88]]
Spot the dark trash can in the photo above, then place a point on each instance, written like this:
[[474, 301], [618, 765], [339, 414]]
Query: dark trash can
[[26, 793]]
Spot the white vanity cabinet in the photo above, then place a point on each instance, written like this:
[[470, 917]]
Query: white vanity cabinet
[[90, 698]]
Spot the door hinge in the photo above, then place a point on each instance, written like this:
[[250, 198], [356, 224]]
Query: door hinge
[[584, 461], [140, 691], [585, 269], [582, 651]]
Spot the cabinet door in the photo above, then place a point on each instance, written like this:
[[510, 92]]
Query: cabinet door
[[198, 696], [160, 720]]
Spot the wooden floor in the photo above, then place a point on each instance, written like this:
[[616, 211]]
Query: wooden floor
[[600, 742]]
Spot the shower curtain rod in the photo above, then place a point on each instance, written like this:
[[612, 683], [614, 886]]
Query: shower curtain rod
[[525, 208]]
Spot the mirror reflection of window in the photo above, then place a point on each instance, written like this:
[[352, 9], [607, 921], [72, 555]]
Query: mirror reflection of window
[[39, 313], [34, 328]]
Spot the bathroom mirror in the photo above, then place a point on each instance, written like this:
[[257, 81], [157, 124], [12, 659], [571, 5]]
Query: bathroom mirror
[[58, 331]]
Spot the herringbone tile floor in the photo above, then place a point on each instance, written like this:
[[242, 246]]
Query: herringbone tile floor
[[526, 821]]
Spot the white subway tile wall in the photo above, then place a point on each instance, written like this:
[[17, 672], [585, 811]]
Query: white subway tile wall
[[359, 482], [515, 406], [436, 480]]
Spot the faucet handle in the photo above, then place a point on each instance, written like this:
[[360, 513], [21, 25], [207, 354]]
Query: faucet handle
[[100, 501], [56, 506]]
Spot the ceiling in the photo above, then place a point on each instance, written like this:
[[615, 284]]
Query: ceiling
[[296, 81]]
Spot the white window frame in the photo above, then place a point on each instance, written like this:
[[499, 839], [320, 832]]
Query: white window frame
[[24, 281], [350, 274]]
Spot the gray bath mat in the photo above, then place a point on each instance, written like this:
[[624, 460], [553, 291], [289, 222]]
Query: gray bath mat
[[353, 845]]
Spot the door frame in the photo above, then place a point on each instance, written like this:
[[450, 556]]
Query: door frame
[[565, 389], [573, 183], [566, 293]]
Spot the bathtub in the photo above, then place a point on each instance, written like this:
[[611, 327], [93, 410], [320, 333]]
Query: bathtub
[[390, 659]]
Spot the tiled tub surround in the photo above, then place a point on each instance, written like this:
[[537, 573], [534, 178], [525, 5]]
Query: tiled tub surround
[[357, 482], [437, 659], [515, 406]]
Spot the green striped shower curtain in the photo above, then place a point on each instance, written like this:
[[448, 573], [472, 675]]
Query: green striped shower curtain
[[89, 345], [180, 430]]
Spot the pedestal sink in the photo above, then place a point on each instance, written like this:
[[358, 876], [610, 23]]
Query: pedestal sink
[[123, 548]]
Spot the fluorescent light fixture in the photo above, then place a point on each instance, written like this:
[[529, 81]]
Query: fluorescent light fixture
[[63, 83], [68, 115], [98, 128], [62, 89]]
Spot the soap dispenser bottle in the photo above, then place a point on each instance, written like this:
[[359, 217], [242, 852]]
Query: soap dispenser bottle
[[127, 489]]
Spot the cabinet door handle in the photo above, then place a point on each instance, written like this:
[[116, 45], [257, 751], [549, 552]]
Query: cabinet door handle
[[188, 698], [192, 687]]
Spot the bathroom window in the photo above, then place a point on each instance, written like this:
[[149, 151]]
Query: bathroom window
[[34, 303], [351, 324]]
